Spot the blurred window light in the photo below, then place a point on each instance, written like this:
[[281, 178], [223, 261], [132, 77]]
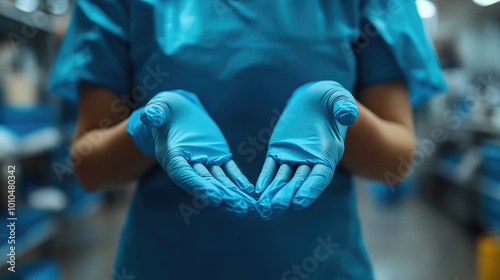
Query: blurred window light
[[427, 9], [27, 5], [485, 2]]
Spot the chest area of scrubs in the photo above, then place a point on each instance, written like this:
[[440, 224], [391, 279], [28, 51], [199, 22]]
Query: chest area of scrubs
[[243, 59], [231, 46]]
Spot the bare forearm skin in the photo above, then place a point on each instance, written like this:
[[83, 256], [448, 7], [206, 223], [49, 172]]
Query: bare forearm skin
[[376, 143], [107, 157]]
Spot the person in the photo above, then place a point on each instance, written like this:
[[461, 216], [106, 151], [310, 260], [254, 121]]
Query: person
[[233, 116]]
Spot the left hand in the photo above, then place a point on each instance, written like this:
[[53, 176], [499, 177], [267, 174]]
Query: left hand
[[305, 147], [187, 143]]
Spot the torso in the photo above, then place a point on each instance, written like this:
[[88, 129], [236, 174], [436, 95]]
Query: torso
[[243, 61]]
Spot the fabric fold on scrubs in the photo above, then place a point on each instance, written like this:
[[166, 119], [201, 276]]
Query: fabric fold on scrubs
[[393, 46], [97, 33]]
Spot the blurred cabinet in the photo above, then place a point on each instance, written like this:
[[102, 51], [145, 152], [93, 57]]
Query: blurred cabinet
[[461, 174], [35, 131]]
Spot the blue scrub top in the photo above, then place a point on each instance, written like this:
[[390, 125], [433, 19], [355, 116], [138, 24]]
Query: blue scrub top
[[243, 59]]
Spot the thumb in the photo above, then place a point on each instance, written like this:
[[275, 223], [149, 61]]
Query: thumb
[[155, 113], [345, 110]]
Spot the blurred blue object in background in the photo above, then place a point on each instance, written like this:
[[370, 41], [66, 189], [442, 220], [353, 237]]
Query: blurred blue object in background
[[489, 203], [450, 160], [27, 120], [490, 166], [386, 194]]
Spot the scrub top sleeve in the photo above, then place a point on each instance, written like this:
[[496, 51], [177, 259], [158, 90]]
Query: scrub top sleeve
[[94, 50], [394, 46]]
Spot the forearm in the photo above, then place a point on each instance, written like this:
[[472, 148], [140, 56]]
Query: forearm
[[107, 157], [374, 146]]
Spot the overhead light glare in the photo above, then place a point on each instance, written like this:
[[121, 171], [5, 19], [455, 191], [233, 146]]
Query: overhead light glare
[[427, 9], [27, 5], [485, 3]]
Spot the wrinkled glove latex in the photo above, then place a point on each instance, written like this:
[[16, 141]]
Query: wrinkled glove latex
[[175, 128], [305, 147]]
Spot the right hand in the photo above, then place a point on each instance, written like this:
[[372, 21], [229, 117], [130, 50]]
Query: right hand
[[175, 128], [305, 147]]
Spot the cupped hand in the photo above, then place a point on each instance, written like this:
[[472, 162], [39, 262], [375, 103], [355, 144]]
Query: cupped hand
[[305, 147], [176, 129]]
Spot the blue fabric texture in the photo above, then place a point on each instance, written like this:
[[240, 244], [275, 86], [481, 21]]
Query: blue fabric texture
[[243, 60], [394, 46], [95, 35]]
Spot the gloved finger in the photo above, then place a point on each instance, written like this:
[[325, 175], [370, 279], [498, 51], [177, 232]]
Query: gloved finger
[[248, 211], [234, 173], [229, 185], [218, 173], [283, 176], [155, 113], [184, 176], [266, 175], [319, 178], [230, 200], [283, 198], [345, 110]]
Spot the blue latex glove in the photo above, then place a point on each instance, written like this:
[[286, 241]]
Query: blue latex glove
[[305, 147], [175, 128]]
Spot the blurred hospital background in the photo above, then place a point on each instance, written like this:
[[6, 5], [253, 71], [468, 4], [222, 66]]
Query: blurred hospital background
[[441, 223]]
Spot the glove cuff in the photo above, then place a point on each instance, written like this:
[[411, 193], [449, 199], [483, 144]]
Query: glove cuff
[[141, 134]]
